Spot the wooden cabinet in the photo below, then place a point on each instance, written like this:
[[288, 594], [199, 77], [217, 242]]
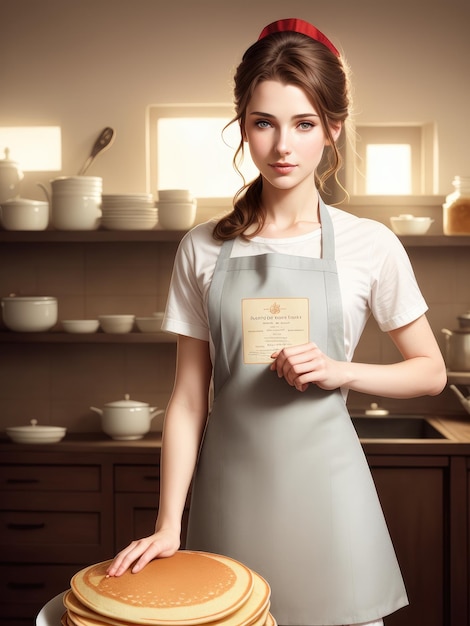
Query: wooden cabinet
[[414, 492], [136, 502], [73, 504], [55, 513], [61, 511]]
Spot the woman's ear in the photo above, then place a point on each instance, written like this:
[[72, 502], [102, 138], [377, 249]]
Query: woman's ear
[[335, 130]]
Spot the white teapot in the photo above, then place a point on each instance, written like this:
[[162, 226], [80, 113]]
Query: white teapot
[[10, 178]]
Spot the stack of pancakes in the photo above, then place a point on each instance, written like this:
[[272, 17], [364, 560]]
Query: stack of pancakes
[[186, 589]]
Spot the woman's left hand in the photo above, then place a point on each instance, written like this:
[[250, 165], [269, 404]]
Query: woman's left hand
[[305, 364]]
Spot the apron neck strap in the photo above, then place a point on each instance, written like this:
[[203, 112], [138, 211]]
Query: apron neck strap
[[327, 236]]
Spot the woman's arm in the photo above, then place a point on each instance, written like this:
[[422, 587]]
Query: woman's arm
[[182, 432], [422, 371]]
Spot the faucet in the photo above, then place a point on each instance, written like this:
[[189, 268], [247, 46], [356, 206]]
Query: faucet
[[464, 401]]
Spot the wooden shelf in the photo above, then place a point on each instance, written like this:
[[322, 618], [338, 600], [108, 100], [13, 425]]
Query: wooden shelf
[[104, 236], [432, 241], [458, 378], [98, 337], [89, 236]]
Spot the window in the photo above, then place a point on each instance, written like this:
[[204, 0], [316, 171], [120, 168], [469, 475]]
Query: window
[[188, 149], [393, 160], [34, 148]]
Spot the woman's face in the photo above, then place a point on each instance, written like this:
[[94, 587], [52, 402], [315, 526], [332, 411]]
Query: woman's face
[[284, 134]]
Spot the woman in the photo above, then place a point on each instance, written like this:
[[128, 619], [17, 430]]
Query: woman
[[271, 301]]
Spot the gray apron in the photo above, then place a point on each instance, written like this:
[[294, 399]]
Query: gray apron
[[282, 483]]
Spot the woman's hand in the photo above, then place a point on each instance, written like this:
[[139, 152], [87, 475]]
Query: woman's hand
[[163, 543], [421, 371], [305, 364]]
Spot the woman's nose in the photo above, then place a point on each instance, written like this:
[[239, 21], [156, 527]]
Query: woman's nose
[[283, 143]]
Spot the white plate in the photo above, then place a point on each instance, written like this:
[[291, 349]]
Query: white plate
[[51, 613]]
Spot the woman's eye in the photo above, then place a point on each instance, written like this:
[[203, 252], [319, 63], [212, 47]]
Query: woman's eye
[[263, 124], [306, 125]]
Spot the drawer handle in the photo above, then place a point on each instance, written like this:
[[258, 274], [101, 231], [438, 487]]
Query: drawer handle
[[18, 526], [22, 481], [23, 586]]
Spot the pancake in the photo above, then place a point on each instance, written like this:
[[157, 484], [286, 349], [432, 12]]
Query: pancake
[[185, 589], [252, 613], [270, 621], [76, 608], [255, 608]]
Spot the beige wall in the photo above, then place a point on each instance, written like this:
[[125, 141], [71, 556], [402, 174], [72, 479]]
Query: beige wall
[[85, 65], [89, 64]]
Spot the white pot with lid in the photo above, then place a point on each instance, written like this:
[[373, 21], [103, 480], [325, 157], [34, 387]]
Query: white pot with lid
[[126, 420]]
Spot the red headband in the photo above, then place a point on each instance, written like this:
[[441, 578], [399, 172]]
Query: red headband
[[298, 26]]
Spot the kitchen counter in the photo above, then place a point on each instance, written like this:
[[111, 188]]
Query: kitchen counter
[[79, 501], [456, 431]]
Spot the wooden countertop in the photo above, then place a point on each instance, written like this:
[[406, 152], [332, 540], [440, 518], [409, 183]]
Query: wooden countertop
[[455, 428]]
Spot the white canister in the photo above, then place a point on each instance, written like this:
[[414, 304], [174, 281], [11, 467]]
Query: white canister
[[75, 202]]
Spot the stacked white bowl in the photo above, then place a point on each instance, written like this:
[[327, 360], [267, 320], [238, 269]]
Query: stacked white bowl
[[136, 211], [76, 202], [176, 209]]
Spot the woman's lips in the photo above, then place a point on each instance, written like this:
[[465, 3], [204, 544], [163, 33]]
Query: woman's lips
[[282, 168]]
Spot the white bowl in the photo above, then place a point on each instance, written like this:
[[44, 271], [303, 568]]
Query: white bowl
[[149, 324], [127, 211], [176, 215], [66, 184], [80, 326], [35, 433], [174, 195], [116, 323], [29, 314], [129, 223], [24, 214], [410, 225]]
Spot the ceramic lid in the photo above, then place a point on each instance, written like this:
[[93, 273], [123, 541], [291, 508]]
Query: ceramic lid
[[35, 427], [126, 403]]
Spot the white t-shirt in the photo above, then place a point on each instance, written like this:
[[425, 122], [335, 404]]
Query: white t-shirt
[[374, 271]]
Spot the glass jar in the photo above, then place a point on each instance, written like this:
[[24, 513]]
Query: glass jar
[[456, 218]]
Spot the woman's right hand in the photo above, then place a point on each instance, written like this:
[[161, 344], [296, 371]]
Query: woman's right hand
[[136, 555]]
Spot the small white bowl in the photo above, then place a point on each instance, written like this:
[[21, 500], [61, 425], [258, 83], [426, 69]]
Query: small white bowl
[[117, 324], [80, 326], [407, 224], [35, 433], [149, 324], [176, 215], [24, 214]]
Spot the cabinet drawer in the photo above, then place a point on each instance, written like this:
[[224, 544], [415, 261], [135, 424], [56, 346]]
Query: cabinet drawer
[[33, 478], [137, 478], [25, 589], [49, 527]]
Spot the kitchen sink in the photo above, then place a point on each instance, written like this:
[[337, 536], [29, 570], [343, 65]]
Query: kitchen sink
[[395, 427]]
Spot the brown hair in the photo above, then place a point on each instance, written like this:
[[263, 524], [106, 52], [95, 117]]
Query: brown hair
[[293, 59]]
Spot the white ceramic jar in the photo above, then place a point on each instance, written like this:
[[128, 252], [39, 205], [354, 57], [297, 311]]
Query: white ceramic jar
[[24, 214], [29, 313], [10, 178]]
